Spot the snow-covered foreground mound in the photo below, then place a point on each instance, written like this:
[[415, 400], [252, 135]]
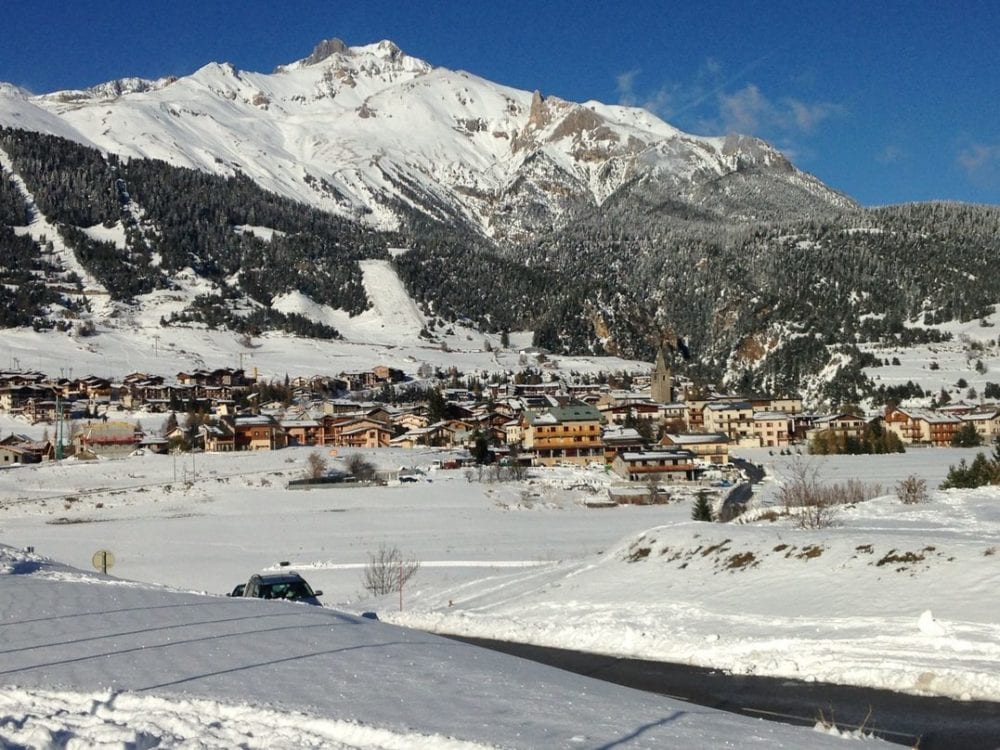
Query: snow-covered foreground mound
[[87, 661]]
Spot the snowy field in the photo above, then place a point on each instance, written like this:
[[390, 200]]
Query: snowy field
[[972, 356], [902, 597]]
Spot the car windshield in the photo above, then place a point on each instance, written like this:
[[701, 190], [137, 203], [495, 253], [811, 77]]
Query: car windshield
[[286, 590]]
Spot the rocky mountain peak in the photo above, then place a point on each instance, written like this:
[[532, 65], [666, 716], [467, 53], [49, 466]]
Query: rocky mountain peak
[[538, 114], [325, 49], [389, 51]]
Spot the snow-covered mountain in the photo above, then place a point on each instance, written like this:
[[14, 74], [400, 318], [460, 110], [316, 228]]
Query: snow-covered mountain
[[353, 130], [262, 202]]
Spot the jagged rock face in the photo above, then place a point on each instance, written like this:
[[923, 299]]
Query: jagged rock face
[[324, 49], [356, 130]]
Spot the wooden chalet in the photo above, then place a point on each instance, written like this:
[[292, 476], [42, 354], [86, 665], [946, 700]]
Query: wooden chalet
[[671, 466]]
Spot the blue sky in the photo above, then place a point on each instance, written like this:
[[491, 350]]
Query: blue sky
[[887, 101]]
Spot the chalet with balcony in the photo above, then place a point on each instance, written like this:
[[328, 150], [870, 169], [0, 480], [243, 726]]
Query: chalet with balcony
[[922, 426], [14, 397], [839, 426], [140, 391], [707, 447], [366, 434], [671, 466], [355, 431], [257, 432], [219, 437], [570, 434], [301, 430]]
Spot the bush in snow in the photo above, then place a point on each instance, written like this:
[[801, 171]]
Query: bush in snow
[[980, 472], [315, 465], [813, 503], [360, 467], [912, 490]]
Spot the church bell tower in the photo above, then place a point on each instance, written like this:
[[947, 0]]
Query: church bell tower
[[662, 385]]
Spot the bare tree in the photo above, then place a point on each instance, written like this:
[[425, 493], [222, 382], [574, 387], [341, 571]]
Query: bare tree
[[315, 465], [387, 571], [652, 482], [518, 470], [803, 496]]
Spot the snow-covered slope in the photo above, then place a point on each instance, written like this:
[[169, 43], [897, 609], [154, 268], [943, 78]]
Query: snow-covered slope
[[92, 661], [349, 128]]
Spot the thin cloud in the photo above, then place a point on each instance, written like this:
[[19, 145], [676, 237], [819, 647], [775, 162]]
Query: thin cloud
[[891, 154], [744, 110], [659, 102], [720, 108], [981, 162], [625, 87], [749, 110]]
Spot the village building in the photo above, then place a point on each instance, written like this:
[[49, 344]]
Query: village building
[[671, 466], [620, 440], [366, 434], [673, 416], [219, 437], [302, 430], [257, 432], [734, 419], [922, 426], [986, 422], [620, 413], [787, 404], [565, 434], [20, 449], [112, 438], [410, 421], [707, 447], [14, 397], [695, 414], [11, 455], [773, 429], [839, 426]]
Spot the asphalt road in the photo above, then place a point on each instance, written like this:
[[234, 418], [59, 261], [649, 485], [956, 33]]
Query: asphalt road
[[927, 723]]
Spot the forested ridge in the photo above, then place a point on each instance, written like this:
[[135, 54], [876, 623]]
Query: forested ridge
[[762, 302]]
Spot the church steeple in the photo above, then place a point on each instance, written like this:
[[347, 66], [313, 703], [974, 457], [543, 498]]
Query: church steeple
[[662, 385]]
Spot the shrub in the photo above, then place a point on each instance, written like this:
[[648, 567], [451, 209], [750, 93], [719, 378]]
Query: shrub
[[912, 490], [980, 472], [315, 465], [814, 503], [360, 468]]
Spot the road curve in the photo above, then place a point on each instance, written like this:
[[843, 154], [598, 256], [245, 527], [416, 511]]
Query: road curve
[[927, 722]]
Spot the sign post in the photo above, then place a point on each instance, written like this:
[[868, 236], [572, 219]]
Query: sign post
[[103, 560]]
